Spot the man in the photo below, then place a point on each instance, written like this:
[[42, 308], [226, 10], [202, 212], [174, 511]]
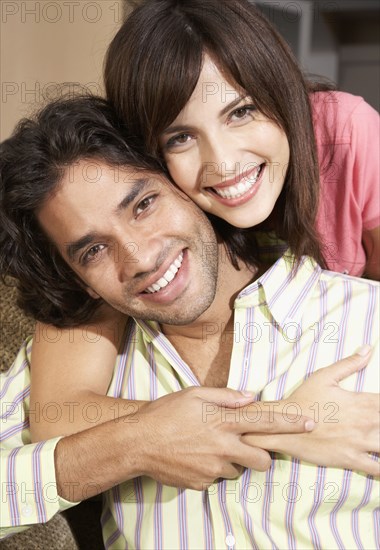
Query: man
[[173, 285]]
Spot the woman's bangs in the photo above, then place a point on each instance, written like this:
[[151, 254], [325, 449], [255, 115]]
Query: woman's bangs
[[175, 79]]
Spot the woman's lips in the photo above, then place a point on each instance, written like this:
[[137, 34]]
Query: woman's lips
[[241, 192]]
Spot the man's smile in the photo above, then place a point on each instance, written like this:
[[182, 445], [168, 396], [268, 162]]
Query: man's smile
[[167, 277]]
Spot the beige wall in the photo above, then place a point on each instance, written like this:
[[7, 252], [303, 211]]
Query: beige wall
[[45, 43]]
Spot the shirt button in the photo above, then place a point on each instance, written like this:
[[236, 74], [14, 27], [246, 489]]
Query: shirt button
[[26, 511], [230, 539]]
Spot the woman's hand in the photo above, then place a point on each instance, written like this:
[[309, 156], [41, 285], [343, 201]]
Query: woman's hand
[[347, 423]]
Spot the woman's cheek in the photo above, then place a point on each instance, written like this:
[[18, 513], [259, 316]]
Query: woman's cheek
[[183, 174]]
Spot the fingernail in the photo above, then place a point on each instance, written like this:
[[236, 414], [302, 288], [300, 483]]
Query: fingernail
[[309, 425], [247, 393], [364, 350]]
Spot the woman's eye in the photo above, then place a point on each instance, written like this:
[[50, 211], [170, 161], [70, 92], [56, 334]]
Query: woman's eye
[[144, 204], [180, 139], [242, 112], [92, 254]]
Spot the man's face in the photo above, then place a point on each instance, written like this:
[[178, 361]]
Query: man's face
[[135, 241]]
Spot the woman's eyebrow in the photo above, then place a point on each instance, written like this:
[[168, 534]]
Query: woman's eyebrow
[[186, 128], [232, 104], [177, 128]]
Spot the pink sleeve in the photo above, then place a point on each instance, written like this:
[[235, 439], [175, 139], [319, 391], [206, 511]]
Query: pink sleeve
[[365, 151]]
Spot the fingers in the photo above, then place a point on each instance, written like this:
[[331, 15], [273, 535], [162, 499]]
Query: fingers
[[252, 419], [225, 397], [231, 471], [253, 458], [261, 441], [343, 368], [368, 465]]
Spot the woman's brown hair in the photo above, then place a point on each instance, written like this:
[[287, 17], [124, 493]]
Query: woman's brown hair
[[153, 65]]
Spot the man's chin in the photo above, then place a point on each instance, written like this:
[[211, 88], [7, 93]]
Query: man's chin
[[178, 316], [173, 320]]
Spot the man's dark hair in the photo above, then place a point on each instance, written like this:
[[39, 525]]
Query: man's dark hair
[[32, 163]]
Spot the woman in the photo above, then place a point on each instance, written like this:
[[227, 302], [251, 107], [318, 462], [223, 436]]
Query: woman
[[221, 119], [171, 82]]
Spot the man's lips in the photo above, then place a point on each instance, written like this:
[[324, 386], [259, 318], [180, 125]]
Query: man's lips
[[173, 290], [164, 276], [167, 277]]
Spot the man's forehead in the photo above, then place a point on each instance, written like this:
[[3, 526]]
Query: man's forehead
[[97, 170]]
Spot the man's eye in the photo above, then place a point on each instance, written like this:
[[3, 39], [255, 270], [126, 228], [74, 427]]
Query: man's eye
[[144, 204], [92, 254]]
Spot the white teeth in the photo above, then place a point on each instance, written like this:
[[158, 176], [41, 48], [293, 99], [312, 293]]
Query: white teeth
[[168, 276], [239, 189]]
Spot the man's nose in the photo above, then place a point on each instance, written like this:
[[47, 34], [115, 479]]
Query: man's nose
[[137, 257]]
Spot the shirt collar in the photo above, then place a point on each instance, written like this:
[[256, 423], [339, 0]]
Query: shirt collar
[[285, 288], [151, 329], [151, 334]]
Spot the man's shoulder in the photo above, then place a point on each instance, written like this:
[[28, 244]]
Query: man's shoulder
[[351, 302], [17, 377], [307, 281], [332, 278]]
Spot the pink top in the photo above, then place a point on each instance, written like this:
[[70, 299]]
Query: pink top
[[347, 133]]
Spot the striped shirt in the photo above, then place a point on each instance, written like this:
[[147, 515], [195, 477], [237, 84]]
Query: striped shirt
[[27, 474], [286, 326]]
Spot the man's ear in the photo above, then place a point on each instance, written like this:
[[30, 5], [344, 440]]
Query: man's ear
[[87, 289], [92, 293]]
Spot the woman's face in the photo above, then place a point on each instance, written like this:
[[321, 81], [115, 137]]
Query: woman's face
[[228, 157]]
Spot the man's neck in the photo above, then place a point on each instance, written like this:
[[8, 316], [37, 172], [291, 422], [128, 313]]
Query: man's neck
[[230, 282], [206, 344]]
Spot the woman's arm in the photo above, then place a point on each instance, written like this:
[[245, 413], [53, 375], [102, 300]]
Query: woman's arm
[[72, 368], [342, 439]]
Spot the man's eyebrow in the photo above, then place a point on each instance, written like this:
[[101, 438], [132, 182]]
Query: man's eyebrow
[[74, 247], [182, 128], [138, 186]]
